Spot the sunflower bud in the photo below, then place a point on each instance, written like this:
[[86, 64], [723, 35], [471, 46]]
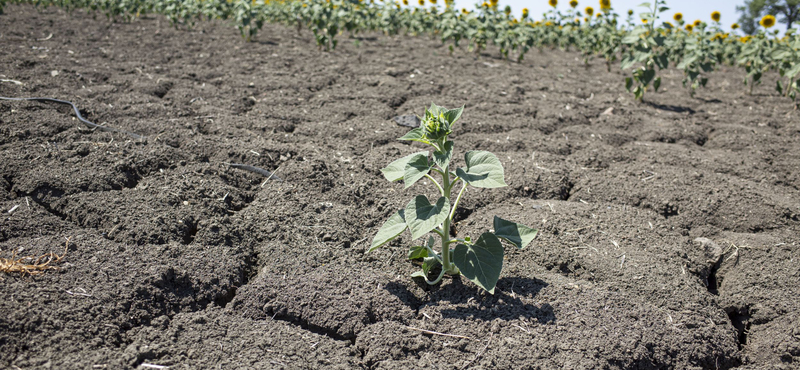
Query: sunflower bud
[[436, 126]]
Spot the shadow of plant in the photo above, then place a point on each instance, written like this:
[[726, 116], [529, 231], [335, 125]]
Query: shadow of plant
[[455, 299], [671, 108]]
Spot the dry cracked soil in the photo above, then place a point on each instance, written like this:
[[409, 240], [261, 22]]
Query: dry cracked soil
[[668, 229]]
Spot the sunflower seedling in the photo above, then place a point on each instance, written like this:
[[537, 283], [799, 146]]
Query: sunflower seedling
[[478, 260]]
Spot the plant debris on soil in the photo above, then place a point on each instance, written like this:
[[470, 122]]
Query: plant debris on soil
[[668, 229], [36, 266]]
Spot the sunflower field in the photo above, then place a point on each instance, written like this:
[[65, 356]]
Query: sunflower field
[[643, 43]]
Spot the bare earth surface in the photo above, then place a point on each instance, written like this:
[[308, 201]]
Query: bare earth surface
[[668, 229]]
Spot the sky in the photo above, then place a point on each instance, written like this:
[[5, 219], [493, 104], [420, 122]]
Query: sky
[[691, 9]]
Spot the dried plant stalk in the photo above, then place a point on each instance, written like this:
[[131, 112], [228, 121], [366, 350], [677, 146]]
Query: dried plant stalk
[[39, 266]]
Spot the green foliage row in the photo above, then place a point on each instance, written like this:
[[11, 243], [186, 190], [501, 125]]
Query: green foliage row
[[642, 45]]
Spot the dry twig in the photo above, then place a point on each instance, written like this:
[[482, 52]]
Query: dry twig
[[42, 263], [437, 333]]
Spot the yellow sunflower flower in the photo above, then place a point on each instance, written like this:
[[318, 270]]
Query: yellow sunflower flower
[[697, 23], [553, 3], [689, 27], [630, 11], [589, 10], [605, 4], [735, 26], [524, 12], [573, 3], [677, 17], [768, 21], [716, 16]]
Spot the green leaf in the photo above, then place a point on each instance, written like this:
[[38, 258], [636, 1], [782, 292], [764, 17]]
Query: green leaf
[[417, 134], [420, 251], [648, 76], [396, 170], [484, 170], [656, 83], [662, 61], [435, 110], [627, 62], [517, 234], [628, 83], [794, 71], [453, 115], [443, 158], [630, 39], [422, 216], [416, 168], [427, 265], [417, 251], [481, 262], [393, 227]]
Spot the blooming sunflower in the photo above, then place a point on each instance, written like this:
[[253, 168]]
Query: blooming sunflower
[[553, 3], [630, 11], [433, 2], [493, 2], [697, 23], [524, 12], [677, 17], [589, 10], [573, 3], [735, 26], [716, 16], [421, 2], [405, 2], [768, 21], [605, 4], [689, 27], [644, 20]]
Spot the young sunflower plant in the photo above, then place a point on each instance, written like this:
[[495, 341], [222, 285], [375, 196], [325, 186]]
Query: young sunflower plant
[[479, 260], [647, 48], [787, 56], [697, 61], [756, 53]]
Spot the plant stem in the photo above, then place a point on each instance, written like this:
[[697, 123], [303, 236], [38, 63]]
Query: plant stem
[[446, 225], [458, 199], [438, 279], [435, 183]]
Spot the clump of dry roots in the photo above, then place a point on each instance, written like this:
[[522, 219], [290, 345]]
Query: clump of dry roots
[[34, 265]]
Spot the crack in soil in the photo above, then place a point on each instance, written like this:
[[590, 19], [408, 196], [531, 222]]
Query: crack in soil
[[740, 319]]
